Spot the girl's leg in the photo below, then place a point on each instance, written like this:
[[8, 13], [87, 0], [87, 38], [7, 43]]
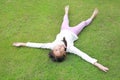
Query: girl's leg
[[65, 23], [77, 29]]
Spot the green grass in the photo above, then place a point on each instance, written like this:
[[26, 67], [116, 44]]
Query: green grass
[[40, 21]]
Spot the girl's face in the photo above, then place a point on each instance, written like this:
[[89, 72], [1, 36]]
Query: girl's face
[[59, 50]]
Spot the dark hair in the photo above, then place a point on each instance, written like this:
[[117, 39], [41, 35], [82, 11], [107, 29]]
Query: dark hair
[[56, 59]]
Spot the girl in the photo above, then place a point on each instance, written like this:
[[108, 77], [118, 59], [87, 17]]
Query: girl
[[64, 42]]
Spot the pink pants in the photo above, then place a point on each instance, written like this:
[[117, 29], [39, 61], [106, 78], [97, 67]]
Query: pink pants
[[76, 29]]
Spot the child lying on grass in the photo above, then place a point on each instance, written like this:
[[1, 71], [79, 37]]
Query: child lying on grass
[[64, 42]]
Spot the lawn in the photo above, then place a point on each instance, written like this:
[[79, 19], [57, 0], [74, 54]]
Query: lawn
[[40, 21]]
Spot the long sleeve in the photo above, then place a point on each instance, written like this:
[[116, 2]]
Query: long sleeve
[[39, 45], [82, 55]]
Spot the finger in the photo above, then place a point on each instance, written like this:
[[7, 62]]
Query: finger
[[105, 69]]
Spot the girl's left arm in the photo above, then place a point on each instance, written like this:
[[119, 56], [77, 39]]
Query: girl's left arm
[[88, 58]]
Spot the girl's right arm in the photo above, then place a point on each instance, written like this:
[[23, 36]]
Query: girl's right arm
[[33, 45]]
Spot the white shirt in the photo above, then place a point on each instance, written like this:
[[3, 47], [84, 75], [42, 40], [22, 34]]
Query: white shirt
[[70, 38]]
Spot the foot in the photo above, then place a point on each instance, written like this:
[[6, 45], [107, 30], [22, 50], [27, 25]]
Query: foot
[[66, 9], [94, 13]]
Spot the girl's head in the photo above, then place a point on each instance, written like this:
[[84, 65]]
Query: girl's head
[[58, 53]]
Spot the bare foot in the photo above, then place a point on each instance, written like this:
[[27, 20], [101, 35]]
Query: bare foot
[[94, 13], [66, 9]]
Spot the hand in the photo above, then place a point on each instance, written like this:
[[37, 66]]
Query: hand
[[19, 44], [101, 67]]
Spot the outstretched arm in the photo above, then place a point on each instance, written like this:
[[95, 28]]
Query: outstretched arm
[[88, 58], [33, 45]]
